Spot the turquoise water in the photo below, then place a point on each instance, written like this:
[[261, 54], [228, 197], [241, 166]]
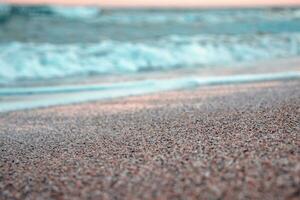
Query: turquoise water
[[46, 43], [62, 95]]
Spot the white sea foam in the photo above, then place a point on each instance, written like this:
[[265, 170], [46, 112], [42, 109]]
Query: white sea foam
[[43, 61], [75, 12]]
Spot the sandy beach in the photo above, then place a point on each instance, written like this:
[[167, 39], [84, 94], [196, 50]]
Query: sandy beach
[[215, 142]]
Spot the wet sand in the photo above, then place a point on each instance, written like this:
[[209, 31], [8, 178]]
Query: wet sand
[[215, 142]]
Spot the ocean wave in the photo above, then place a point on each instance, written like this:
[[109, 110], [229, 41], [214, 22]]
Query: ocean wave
[[33, 61], [200, 16], [70, 12], [76, 12], [151, 16]]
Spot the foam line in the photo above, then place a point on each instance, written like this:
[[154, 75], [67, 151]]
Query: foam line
[[62, 95]]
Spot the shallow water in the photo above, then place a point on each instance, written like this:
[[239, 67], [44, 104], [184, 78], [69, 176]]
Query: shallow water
[[46, 44], [35, 97]]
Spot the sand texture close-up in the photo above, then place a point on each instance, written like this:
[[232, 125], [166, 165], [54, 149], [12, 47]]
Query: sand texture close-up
[[214, 142]]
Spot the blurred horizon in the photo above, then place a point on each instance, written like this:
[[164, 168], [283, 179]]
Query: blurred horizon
[[164, 4]]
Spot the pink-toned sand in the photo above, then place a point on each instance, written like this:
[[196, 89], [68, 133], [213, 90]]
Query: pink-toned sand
[[218, 142]]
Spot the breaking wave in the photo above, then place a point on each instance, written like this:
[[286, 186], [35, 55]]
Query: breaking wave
[[32, 61], [59, 11]]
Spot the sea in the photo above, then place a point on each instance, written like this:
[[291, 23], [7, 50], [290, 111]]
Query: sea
[[76, 54]]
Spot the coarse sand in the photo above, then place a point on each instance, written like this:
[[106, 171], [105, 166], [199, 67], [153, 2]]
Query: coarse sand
[[215, 142]]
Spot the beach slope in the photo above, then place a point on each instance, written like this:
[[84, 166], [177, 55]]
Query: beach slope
[[215, 142]]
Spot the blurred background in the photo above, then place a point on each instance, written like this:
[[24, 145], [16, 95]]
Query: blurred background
[[59, 42]]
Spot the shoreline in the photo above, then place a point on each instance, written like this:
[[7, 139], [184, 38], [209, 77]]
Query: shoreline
[[26, 95], [23, 98], [231, 142]]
